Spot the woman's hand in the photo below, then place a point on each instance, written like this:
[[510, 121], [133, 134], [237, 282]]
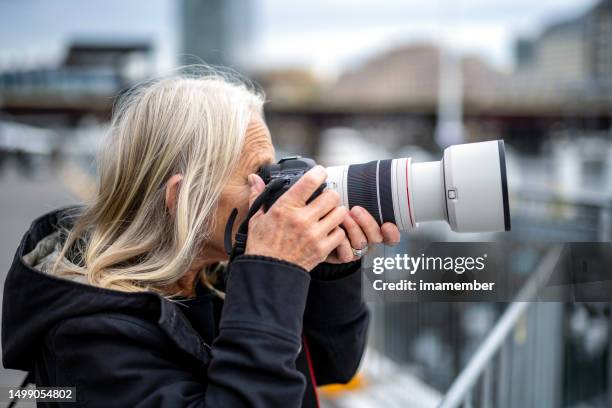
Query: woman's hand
[[291, 230], [362, 230]]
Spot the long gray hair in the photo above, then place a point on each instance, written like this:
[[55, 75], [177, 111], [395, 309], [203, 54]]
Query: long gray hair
[[189, 124]]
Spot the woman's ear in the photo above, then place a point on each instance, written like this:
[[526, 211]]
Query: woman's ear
[[172, 188]]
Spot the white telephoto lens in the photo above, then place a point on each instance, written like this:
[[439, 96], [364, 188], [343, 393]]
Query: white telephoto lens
[[467, 189]]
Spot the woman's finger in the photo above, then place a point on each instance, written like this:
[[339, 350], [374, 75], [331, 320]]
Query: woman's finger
[[334, 239], [303, 189], [257, 186], [356, 236], [344, 253], [391, 234], [368, 224], [333, 219], [323, 204]]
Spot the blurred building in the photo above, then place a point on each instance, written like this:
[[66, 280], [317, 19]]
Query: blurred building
[[568, 63], [289, 86], [599, 37], [409, 76], [216, 32], [574, 56], [558, 55], [87, 67], [85, 82]]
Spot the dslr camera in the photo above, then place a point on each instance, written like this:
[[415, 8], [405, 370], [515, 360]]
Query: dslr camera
[[467, 188]]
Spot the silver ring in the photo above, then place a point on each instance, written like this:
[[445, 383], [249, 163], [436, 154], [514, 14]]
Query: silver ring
[[358, 253]]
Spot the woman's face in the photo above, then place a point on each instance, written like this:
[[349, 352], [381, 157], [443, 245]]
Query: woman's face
[[257, 151]]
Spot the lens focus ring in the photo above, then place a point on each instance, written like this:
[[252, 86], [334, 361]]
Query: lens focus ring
[[362, 189]]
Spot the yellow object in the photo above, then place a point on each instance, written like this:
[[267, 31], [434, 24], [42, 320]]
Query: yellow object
[[333, 390]]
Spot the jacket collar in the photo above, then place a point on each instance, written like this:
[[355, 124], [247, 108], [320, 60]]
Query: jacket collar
[[34, 302]]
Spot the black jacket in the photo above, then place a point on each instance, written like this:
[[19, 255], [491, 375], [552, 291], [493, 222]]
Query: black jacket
[[139, 349]]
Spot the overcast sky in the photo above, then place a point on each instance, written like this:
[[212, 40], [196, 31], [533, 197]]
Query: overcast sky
[[325, 35]]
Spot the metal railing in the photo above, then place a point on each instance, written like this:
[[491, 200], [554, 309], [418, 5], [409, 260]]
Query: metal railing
[[584, 216], [475, 385]]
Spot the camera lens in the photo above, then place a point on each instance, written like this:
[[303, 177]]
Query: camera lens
[[467, 189]]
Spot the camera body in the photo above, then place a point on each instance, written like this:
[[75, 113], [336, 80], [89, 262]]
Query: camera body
[[289, 170]]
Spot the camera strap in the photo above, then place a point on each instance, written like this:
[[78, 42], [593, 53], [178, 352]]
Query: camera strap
[[241, 235], [304, 361]]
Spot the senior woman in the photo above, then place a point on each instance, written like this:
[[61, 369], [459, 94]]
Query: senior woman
[[128, 298]]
